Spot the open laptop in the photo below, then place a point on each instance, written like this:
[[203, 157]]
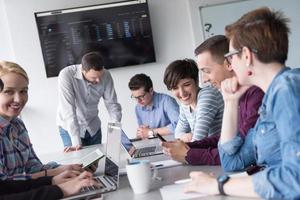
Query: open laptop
[[135, 152], [159, 163], [110, 178]]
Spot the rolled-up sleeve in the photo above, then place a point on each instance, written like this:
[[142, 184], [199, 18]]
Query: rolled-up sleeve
[[237, 153], [232, 146]]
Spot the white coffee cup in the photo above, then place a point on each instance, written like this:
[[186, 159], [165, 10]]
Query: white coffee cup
[[140, 176]]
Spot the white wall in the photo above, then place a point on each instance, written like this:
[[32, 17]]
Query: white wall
[[6, 52], [173, 39]]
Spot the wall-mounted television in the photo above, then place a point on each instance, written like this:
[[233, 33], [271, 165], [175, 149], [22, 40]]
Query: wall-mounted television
[[121, 32]]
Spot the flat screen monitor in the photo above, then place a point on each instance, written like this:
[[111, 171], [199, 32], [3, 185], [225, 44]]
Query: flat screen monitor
[[121, 32]]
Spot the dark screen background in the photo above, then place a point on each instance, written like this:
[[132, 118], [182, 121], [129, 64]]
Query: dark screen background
[[122, 34]]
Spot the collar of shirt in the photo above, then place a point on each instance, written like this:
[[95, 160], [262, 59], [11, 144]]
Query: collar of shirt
[[191, 110], [154, 103], [265, 98], [78, 73], [9, 128], [4, 122]]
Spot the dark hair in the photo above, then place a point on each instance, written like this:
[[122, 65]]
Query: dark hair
[[264, 31], [140, 80], [92, 60], [217, 46], [180, 69]]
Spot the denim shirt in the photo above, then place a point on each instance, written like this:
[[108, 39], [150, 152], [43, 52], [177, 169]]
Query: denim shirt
[[163, 112], [273, 142]]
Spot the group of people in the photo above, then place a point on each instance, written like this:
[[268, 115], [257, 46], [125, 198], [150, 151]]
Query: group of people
[[246, 116]]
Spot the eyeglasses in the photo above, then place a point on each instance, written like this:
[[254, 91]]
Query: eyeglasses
[[140, 98], [228, 56]]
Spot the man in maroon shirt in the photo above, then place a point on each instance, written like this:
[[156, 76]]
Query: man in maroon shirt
[[214, 69]]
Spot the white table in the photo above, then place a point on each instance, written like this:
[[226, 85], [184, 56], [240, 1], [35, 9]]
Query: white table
[[169, 175]]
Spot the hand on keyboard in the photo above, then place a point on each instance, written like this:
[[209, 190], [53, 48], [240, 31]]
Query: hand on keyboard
[[74, 185]]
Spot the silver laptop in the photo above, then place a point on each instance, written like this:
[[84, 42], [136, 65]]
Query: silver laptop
[[109, 180], [135, 152]]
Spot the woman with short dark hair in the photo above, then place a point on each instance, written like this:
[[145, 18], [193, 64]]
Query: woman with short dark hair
[[257, 53]]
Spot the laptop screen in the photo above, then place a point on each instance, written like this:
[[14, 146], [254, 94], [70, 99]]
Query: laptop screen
[[126, 143], [112, 151]]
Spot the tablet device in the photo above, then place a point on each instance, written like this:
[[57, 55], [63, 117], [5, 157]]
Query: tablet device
[[91, 158]]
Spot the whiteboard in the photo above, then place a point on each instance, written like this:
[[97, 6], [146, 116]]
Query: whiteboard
[[214, 18]]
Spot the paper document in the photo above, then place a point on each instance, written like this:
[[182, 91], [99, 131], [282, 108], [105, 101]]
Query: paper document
[[166, 163], [175, 192]]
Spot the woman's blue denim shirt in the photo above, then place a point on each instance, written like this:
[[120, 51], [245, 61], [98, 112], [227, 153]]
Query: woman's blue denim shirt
[[273, 142]]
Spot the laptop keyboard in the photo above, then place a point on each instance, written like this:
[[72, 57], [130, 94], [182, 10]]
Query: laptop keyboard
[[145, 150], [92, 188]]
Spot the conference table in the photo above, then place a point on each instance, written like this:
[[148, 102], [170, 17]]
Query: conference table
[[168, 175]]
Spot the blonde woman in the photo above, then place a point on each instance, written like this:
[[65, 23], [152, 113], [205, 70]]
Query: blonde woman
[[17, 157]]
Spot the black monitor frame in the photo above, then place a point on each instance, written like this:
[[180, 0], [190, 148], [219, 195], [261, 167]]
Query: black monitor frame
[[120, 31]]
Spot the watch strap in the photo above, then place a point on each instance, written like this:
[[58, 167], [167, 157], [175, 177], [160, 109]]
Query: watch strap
[[221, 182]]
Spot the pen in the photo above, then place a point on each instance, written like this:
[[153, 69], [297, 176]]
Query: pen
[[183, 181]]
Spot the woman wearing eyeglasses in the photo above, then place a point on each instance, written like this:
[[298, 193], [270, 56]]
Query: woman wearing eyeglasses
[[257, 52], [201, 109]]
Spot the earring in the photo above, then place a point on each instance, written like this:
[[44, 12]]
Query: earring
[[249, 72]]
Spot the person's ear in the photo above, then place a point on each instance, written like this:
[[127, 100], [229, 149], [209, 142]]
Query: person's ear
[[247, 55], [227, 66], [151, 91]]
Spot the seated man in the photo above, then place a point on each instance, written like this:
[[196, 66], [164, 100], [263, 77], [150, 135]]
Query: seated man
[[155, 112], [201, 109], [215, 69]]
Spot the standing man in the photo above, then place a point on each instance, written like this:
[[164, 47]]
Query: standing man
[[155, 112], [80, 89]]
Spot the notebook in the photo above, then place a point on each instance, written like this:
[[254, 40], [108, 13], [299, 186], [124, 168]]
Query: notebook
[[110, 179], [135, 152]]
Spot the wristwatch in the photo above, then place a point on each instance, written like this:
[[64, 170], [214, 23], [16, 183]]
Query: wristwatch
[[151, 133], [221, 181]]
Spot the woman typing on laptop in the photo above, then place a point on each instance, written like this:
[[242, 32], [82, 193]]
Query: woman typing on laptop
[[17, 157], [13, 96], [47, 188]]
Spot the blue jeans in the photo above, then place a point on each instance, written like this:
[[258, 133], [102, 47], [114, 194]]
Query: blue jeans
[[86, 141]]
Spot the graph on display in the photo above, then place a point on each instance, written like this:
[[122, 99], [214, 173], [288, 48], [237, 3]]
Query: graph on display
[[121, 32]]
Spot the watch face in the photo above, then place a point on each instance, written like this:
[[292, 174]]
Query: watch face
[[150, 133]]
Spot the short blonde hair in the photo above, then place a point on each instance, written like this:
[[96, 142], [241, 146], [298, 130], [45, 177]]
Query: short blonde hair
[[7, 67]]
